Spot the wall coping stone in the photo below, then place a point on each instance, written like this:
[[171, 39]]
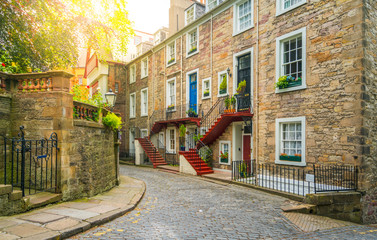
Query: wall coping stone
[[85, 123]]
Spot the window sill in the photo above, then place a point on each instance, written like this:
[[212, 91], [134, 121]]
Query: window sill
[[221, 163], [171, 64], [191, 54], [144, 77], [290, 89], [291, 163], [144, 115], [222, 95], [283, 11], [235, 33], [132, 117], [207, 97], [132, 82]]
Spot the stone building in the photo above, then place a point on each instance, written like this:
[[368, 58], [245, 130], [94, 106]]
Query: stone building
[[322, 112]]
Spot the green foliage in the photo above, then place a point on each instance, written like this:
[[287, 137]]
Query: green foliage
[[182, 130], [191, 112], [198, 137], [242, 168], [46, 35], [223, 85], [113, 121], [8, 66], [241, 86], [282, 82]]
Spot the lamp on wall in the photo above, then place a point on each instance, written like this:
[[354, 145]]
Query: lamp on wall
[[110, 98], [228, 71]]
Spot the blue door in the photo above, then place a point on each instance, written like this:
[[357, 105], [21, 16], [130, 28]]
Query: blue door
[[193, 92]]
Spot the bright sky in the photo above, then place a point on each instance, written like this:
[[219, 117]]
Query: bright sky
[[149, 15]]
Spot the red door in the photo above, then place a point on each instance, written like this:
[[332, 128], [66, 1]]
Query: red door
[[246, 147]]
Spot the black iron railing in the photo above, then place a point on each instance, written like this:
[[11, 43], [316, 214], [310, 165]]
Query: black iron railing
[[243, 102], [213, 114], [30, 165], [296, 180], [335, 178]]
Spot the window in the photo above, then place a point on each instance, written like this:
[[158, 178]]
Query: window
[[116, 87], [283, 6], [170, 101], [144, 68], [290, 141], [192, 42], [144, 133], [144, 102], [132, 105], [223, 84], [133, 73], [137, 40], [224, 152], [211, 4], [171, 140], [80, 80], [243, 16], [170, 53], [206, 88], [190, 14], [291, 60]]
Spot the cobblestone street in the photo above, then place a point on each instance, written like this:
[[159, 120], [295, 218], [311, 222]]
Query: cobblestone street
[[184, 207]]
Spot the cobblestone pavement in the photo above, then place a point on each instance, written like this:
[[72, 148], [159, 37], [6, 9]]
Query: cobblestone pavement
[[184, 207]]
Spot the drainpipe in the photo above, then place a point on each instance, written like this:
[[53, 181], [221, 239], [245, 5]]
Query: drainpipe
[[181, 76], [257, 92], [211, 59]]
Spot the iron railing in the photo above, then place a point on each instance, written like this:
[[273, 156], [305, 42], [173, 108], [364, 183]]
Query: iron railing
[[296, 180], [213, 114], [243, 103], [30, 165], [197, 148], [335, 178]]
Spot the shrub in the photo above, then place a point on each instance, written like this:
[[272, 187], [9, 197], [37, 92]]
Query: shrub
[[112, 121], [223, 84]]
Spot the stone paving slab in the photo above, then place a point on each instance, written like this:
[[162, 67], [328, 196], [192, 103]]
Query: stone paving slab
[[61, 221]]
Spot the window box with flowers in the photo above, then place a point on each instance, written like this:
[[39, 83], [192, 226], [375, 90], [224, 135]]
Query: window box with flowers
[[286, 157], [224, 157], [287, 82], [171, 61], [192, 50], [192, 113], [206, 93], [171, 108]]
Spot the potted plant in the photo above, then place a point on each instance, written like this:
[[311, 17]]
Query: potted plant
[[288, 81], [193, 49], [232, 103], [206, 93], [182, 134], [223, 86], [171, 60], [286, 157], [224, 157], [171, 107], [242, 169], [197, 138], [241, 87], [192, 113]]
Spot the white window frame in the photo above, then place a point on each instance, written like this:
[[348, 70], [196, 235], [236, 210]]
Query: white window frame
[[168, 53], [280, 6], [188, 45], [210, 88], [144, 69], [219, 82], [168, 143], [236, 23], [133, 113], [168, 92], [278, 130], [144, 130], [193, 7], [207, 3], [144, 110], [229, 151], [133, 73], [279, 58]]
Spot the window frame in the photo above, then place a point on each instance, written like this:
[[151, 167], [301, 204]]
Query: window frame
[[145, 113], [143, 67], [229, 151], [133, 114], [169, 140], [188, 45], [116, 87], [278, 140], [236, 23], [280, 55], [143, 130], [193, 7], [210, 88], [207, 7], [133, 75], [168, 91], [280, 6], [219, 80], [168, 53]]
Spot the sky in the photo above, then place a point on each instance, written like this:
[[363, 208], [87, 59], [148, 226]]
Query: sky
[[148, 15]]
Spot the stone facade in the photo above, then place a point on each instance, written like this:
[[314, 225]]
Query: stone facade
[[336, 100], [5, 106]]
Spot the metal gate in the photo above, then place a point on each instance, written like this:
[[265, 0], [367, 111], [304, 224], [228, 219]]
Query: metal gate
[[29, 165]]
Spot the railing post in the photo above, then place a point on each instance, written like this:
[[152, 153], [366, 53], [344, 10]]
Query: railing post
[[315, 187], [23, 149]]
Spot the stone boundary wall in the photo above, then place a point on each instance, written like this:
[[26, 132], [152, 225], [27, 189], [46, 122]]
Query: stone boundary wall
[[369, 109], [5, 107]]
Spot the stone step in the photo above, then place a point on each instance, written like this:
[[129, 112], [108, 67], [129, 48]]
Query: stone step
[[43, 199], [302, 208], [5, 189]]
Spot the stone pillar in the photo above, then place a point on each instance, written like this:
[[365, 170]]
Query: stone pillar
[[138, 151]]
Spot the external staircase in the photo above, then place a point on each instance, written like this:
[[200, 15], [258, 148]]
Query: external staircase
[[152, 152], [196, 162]]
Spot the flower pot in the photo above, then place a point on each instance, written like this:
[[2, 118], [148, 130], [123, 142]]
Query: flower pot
[[224, 160], [290, 158], [222, 91], [206, 94], [183, 148]]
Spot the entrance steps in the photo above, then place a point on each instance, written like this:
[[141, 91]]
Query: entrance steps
[[152, 152]]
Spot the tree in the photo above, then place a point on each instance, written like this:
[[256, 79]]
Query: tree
[[46, 34]]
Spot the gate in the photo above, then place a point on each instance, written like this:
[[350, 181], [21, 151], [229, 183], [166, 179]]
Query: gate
[[29, 165]]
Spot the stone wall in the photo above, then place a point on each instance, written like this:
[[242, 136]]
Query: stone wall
[[369, 104], [92, 160], [5, 108]]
